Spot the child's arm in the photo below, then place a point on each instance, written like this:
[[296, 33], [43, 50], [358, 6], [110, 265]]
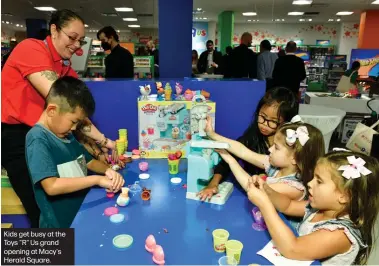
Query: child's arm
[[97, 166], [237, 148], [287, 190], [329, 243]]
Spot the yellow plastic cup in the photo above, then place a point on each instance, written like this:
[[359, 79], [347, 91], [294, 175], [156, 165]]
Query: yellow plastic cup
[[220, 236], [234, 249], [173, 166], [122, 138]]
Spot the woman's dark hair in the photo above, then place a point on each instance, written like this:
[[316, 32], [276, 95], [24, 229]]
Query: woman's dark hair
[[287, 109], [109, 32], [61, 18], [355, 65]]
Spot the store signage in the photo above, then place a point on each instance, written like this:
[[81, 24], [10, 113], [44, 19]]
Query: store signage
[[323, 42], [199, 36]]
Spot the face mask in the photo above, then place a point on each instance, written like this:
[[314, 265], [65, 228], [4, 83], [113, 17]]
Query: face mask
[[106, 46]]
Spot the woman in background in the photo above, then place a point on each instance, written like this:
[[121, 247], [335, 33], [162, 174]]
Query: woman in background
[[195, 59]]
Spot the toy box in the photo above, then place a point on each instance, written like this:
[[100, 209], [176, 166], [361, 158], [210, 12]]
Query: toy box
[[164, 126]]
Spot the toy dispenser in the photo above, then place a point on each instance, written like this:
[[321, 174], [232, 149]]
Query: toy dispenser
[[201, 156]]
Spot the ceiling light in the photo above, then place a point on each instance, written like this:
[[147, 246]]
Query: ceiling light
[[310, 19], [205, 18], [124, 9], [249, 14], [295, 13], [375, 2], [277, 19], [199, 9], [2, 21], [257, 19], [302, 2], [330, 19], [17, 25], [45, 8], [118, 30], [85, 25], [7, 22], [129, 19], [338, 19], [249, 20], [134, 26], [301, 19], [344, 13], [282, 19], [21, 26]]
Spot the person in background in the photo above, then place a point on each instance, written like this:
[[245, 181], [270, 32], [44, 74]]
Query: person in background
[[12, 45], [27, 77], [227, 58], [119, 63], [266, 63], [195, 60], [289, 70], [210, 61], [141, 51], [349, 78], [58, 162], [244, 60], [276, 107], [281, 53], [152, 51]]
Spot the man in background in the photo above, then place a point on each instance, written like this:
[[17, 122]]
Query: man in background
[[266, 63], [119, 63], [244, 60], [210, 61], [227, 57], [289, 70], [152, 51]]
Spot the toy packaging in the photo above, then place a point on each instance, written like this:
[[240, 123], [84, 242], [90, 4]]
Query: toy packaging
[[164, 126]]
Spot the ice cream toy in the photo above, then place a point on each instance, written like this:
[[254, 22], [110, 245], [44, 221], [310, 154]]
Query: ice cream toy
[[259, 224], [143, 133], [179, 90], [143, 166], [160, 91], [123, 199], [150, 243], [145, 195], [158, 255], [168, 92], [135, 188], [173, 162], [145, 91]]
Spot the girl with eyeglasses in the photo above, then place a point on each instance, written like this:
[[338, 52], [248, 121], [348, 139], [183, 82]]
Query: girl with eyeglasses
[[27, 77], [279, 105]]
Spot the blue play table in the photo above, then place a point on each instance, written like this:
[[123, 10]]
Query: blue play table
[[189, 223]]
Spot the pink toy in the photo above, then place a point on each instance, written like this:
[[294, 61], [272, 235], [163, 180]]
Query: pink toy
[[143, 166], [136, 152], [110, 211], [150, 243], [158, 255], [110, 195]]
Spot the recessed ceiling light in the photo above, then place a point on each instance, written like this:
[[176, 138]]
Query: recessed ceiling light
[[301, 19], [310, 19], [7, 22], [21, 26], [205, 18], [375, 2], [2, 21], [338, 19], [17, 25], [277, 19], [302, 2], [118, 30], [199, 9], [124, 9], [330, 19], [249, 20], [257, 19], [248, 14], [282, 19], [344, 13], [295, 13], [85, 25], [134, 26], [129, 19], [45, 8]]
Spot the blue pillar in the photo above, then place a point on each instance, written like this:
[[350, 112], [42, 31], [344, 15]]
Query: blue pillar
[[34, 27], [175, 39]]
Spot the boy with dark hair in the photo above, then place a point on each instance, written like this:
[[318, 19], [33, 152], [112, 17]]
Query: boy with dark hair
[[57, 162]]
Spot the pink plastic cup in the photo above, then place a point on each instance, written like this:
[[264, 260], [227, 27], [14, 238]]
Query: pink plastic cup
[[143, 166]]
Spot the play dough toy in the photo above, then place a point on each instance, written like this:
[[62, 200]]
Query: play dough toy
[[158, 255], [110, 211], [176, 180], [122, 241], [150, 243], [117, 218], [123, 199], [145, 195], [144, 176], [110, 195], [143, 166]]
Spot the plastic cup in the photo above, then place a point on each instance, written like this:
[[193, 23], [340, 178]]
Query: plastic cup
[[225, 260], [220, 236], [173, 166], [234, 249]]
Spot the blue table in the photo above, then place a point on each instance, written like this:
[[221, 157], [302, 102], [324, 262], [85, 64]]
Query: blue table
[[189, 223]]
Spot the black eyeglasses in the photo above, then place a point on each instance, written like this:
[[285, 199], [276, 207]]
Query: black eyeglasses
[[74, 40], [270, 123]]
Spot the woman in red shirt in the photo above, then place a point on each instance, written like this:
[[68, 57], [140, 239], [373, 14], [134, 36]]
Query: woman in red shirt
[[27, 77]]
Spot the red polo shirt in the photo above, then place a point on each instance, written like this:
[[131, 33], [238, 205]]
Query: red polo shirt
[[20, 101]]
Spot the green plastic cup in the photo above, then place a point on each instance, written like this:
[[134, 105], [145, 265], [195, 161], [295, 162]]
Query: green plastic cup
[[173, 166], [225, 260], [220, 236], [234, 249]]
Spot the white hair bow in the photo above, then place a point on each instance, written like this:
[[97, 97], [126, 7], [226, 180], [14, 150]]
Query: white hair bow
[[296, 119], [340, 149], [301, 134], [355, 169]]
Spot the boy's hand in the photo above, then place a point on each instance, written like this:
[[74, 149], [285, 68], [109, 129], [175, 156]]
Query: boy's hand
[[225, 155], [208, 126], [208, 192], [116, 178], [256, 192]]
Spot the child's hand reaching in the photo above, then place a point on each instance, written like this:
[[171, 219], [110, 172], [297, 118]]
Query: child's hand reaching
[[225, 155], [117, 180], [208, 126], [256, 191]]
